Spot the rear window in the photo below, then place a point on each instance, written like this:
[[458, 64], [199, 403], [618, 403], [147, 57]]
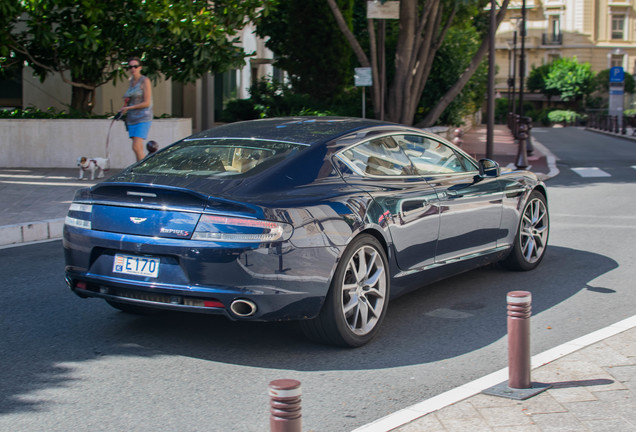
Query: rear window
[[217, 157]]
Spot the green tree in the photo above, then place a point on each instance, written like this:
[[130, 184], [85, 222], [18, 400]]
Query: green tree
[[446, 70], [422, 27], [570, 79], [537, 81], [86, 42], [305, 38]]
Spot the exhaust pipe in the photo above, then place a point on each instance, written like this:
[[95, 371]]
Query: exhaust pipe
[[243, 307]]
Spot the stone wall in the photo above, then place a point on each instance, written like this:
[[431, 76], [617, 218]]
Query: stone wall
[[57, 143]]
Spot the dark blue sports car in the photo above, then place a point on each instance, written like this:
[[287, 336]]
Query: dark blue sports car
[[320, 220]]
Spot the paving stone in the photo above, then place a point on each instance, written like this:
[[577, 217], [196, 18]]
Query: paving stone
[[462, 417], [610, 425], [623, 373], [505, 416], [559, 422], [624, 343], [522, 428], [572, 394], [428, 423], [601, 354], [487, 401], [541, 404]]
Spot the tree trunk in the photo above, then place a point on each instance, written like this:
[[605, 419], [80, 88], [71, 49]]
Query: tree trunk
[[82, 100], [443, 103]]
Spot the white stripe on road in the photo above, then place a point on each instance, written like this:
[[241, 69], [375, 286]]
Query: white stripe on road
[[591, 172]]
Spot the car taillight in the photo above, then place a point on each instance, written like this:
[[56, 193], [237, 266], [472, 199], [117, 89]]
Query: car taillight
[[240, 230], [79, 215]]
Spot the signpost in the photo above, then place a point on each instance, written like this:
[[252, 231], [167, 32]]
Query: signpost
[[616, 93], [363, 78]]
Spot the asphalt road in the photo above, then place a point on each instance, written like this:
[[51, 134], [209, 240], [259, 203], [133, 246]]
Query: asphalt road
[[73, 364]]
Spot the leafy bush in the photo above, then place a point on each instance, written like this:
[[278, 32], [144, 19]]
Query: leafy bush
[[274, 99], [52, 113], [564, 116]]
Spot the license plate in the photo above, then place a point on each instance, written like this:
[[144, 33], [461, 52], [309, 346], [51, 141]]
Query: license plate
[[136, 265]]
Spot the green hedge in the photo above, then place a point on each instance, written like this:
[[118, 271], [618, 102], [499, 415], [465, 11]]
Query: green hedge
[[564, 116], [52, 113]]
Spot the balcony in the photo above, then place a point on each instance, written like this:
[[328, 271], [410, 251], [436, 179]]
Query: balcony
[[551, 39]]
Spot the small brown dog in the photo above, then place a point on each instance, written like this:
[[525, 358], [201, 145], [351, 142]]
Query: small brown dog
[[92, 165]]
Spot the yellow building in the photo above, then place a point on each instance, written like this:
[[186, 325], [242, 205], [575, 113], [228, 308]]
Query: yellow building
[[599, 32]]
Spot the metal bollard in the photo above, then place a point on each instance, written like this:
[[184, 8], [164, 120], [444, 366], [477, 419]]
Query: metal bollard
[[285, 412], [522, 153], [519, 385], [457, 140], [519, 312]]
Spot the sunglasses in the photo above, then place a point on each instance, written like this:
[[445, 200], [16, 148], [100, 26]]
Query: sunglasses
[[133, 67]]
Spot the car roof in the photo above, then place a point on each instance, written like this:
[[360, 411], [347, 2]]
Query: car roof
[[301, 130]]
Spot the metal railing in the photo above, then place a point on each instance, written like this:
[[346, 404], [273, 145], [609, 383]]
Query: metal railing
[[612, 123], [551, 39]]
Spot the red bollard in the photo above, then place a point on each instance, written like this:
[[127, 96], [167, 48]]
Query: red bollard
[[519, 385], [285, 406], [519, 312]]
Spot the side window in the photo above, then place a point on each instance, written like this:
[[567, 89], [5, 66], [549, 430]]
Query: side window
[[380, 157], [433, 157]]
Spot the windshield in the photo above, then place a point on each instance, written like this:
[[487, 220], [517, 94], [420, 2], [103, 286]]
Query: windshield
[[217, 157]]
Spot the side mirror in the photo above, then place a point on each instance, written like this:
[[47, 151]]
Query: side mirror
[[489, 168]]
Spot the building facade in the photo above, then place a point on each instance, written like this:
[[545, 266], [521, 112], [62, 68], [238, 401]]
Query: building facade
[[599, 32]]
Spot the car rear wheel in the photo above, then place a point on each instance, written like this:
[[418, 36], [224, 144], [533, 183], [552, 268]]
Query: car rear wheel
[[358, 297], [531, 239], [133, 309]]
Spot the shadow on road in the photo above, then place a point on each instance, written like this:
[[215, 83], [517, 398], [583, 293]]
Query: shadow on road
[[45, 330]]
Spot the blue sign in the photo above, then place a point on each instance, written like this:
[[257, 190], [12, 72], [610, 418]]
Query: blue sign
[[617, 74]]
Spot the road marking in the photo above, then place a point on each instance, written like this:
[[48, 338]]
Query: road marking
[[591, 172]]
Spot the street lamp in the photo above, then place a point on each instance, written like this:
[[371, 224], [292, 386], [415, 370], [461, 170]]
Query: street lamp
[[512, 83], [523, 129]]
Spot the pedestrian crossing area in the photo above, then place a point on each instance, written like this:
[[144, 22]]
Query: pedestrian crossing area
[[591, 172]]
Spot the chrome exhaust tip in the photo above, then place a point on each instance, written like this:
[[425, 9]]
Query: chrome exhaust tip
[[243, 307]]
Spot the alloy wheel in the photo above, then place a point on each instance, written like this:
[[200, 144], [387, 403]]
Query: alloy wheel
[[364, 289]]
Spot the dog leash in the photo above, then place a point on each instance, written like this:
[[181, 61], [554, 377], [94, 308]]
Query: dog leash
[[115, 118]]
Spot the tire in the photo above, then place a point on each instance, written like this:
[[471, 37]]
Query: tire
[[133, 309], [531, 239], [357, 299]]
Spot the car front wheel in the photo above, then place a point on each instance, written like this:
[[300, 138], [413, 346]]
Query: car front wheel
[[358, 297], [531, 239]]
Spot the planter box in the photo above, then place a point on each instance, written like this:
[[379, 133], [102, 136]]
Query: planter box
[[53, 143]]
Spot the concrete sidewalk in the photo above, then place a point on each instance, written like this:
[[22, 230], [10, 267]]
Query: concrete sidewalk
[[593, 381]]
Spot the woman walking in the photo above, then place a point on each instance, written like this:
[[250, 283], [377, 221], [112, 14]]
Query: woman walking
[[138, 107]]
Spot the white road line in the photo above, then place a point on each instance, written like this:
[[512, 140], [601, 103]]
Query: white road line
[[591, 172]]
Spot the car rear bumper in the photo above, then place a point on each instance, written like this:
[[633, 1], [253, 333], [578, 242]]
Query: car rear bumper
[[281, 281]]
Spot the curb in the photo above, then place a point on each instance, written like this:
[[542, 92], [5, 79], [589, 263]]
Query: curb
[[31, 232], [406, 415]]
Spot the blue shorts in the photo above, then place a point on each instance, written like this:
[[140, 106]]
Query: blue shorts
[[139, 130]]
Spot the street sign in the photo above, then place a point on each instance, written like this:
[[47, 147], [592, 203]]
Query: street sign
[[383, 10], [617, 74], [363, 77]]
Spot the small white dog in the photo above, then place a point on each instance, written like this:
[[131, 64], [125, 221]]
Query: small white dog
[[93, 165]]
